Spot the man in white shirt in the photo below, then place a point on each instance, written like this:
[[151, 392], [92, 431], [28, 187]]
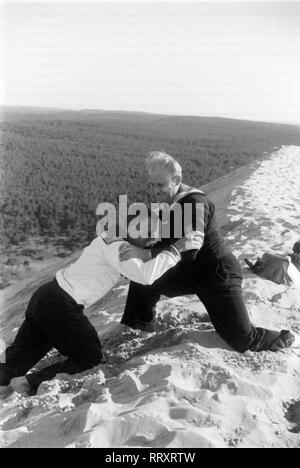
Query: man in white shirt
[[55, 314]]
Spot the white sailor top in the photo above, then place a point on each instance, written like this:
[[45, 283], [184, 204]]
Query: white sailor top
[[99, 268]]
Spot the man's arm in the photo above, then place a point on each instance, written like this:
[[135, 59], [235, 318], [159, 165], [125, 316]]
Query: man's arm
[[202, 210], [137, 270]]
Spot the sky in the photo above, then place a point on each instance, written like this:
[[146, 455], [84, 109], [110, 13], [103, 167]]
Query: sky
[[238, 59]]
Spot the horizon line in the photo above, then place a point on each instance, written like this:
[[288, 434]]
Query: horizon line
[[71, 109]]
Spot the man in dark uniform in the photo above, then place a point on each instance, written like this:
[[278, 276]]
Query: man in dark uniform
[[212, 272]]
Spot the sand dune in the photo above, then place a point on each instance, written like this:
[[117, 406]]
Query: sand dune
[[184, 386]]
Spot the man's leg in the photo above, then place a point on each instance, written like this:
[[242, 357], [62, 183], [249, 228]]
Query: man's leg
[[230, 318], [140, 309], [219, 288], [83, 353], [71, 333], [29, 346], [221, 293]]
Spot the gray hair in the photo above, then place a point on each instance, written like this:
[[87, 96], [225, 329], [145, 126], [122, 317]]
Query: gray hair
[[160, 158]]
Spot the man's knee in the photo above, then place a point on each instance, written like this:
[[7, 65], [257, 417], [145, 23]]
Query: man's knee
[[90, 363], [93, 357]]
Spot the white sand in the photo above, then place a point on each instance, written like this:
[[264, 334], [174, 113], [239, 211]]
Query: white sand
[[184, 387]]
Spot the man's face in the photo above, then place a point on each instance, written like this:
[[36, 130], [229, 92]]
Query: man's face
[[164, 186]]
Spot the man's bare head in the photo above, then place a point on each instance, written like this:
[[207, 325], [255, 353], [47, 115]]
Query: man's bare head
[[165, 175]]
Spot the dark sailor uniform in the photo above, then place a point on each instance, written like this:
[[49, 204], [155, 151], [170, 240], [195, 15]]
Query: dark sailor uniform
[[211, 272], [55, 316]]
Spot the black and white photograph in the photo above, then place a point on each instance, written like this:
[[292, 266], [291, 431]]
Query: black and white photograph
[[149, 226]]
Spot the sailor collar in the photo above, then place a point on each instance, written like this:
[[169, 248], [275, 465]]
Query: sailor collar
[[187, 191]]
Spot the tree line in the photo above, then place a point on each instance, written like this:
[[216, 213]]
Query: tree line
[[57, 167]]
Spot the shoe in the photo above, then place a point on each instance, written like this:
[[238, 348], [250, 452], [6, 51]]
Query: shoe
[[148, 327], [20, 385], [284, 340]]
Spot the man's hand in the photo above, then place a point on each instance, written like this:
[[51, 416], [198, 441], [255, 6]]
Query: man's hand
[[192, 241], [127, 251]]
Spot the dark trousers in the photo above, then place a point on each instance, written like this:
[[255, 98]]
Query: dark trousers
[[218, 286], [52, 320]]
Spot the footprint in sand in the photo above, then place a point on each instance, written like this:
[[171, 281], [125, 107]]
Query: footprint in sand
[[193, 416]]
